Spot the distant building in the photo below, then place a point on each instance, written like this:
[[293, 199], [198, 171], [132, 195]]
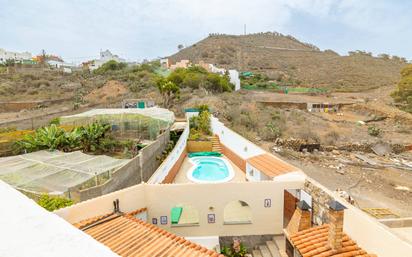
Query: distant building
[[234, 79], [64, 66], [165, 63], [15, 56], [105, 56], [180, 64]]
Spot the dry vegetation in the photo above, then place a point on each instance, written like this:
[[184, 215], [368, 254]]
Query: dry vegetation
[[306, 65]]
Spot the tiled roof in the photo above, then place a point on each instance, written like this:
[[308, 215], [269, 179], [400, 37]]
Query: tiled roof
[[129, 236], [270, 165], [314, 242]]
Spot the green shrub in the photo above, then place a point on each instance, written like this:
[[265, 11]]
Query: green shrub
[[55, 121], [109, 66], [52, 203], [237, 249], [271, 131], [374, 131], [197, 77], [52, 138]]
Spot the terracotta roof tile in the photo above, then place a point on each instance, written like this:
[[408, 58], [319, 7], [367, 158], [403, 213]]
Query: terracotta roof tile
[[271, 165], [313, 242], [128, 236]]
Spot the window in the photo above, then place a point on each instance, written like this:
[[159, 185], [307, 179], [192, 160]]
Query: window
[[237, 212]]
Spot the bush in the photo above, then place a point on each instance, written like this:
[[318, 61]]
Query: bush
[[53, 137], [237, 249], [196, 77], [403, 92], [55, 121], [374, 131], [52, 203], [110, 66], [270, 132], [201, 123]]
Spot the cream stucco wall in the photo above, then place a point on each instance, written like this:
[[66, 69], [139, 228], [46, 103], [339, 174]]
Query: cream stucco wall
[[204, 196], [160, 198], [130, 199]]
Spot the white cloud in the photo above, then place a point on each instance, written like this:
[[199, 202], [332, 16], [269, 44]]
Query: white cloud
[[150, 28]]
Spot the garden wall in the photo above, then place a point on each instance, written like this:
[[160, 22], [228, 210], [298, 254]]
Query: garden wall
[[164, 174], [138, 170]]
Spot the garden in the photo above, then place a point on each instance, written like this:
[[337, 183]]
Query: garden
[[94, 138]]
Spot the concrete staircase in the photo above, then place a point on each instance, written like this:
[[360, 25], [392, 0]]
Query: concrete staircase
[[216, 146], [274, 248]]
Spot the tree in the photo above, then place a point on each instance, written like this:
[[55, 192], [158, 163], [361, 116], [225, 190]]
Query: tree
[[180, 47], [403, 92], [169, 91], [111, 65]]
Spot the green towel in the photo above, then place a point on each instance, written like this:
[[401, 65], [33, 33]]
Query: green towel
[[175, 214]]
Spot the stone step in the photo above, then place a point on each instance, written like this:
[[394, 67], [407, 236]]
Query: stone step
[[280, 242], [264, 251], [273, 249], [256, 253]]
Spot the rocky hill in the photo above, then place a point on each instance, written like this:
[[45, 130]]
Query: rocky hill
[[284, 58]]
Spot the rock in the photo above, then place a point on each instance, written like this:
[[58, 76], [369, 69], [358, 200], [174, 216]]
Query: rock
[[335, 152], [340, 171], [277, 149]]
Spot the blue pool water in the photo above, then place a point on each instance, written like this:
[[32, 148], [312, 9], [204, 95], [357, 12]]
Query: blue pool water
[[210, 169]]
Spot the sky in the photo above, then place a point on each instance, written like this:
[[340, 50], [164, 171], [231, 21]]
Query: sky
[[145, 29]]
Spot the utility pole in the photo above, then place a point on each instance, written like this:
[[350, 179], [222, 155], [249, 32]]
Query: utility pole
[[244, 29]]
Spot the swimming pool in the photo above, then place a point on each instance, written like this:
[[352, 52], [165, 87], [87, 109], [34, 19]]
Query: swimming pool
[[210, 170]]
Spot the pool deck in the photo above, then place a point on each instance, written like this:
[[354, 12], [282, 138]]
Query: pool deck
[[186, 165]]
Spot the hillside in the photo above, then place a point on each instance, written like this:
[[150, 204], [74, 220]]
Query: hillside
[[285, 59]]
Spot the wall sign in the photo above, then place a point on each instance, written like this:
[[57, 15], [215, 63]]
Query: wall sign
[[268, 203], [211, 218], [163, 220], [154, 221]]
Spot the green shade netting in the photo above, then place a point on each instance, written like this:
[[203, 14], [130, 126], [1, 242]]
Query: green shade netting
[[198, 154]]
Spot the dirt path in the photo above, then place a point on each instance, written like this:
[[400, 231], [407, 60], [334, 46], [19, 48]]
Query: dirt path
[[370, 187]]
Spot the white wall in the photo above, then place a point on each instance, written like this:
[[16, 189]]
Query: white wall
[[27, 229], [257, 174], [7, 55], [234, 79], [235, 142], [171, 159]]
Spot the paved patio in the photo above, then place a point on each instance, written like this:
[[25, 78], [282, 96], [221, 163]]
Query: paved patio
[[186, 165]]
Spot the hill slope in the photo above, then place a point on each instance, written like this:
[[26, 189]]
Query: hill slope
[[286, 59]]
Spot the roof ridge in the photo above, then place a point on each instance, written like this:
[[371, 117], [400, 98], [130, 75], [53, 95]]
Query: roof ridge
[[90, 221], [180, 240]]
